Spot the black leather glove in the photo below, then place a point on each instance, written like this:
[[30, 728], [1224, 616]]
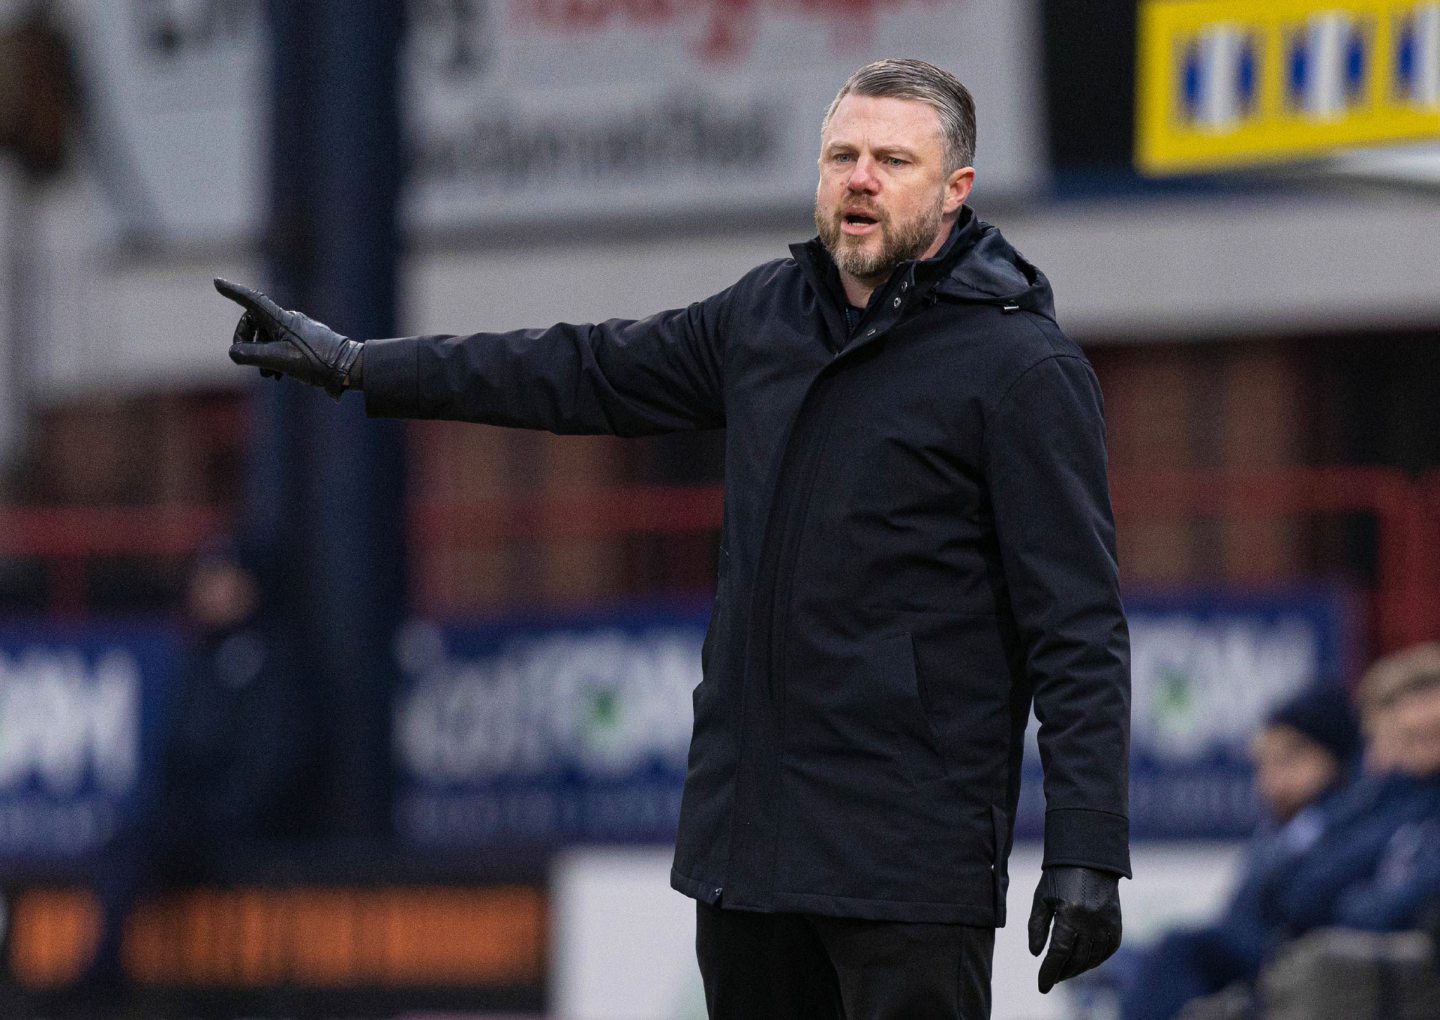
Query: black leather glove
[[1085, 906], [287, 343]]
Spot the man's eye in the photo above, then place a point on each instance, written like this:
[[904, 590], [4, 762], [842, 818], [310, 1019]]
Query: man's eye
[[842, 157], [895, 161]]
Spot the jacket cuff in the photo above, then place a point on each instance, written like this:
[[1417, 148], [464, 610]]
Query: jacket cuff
[[390, 377], [1087, 839]]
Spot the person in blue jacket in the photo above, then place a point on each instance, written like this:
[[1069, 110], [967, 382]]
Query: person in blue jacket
[[1366, 857], [1377, 865], [1302, 757]]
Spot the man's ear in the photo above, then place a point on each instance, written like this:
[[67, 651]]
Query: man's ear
[[957, 188]]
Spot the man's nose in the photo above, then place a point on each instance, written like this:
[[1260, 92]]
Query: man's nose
[[863, 178]]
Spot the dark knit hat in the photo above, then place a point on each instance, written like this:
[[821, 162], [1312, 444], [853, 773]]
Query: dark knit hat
[[1321, 713]]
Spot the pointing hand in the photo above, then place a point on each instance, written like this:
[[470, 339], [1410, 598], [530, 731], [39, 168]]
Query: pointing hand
[[288, 343]]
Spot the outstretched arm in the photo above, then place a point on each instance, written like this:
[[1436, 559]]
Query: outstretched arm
[[661, 374]]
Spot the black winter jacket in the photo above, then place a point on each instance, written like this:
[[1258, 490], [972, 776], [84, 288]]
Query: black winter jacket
[[917, 543]]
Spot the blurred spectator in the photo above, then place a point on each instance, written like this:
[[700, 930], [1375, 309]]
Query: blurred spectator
[[1374, 879], [1302, 756], [1394, 893], [236, 753], [1379, 856], [1302, 752], [1378, 695]]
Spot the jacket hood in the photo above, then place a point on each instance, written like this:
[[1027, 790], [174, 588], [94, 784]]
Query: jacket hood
[[988, 269]]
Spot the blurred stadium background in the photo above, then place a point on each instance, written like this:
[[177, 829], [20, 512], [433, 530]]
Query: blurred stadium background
[[1238, 204]]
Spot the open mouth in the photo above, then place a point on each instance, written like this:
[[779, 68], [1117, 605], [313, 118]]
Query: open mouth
[[858, 223]]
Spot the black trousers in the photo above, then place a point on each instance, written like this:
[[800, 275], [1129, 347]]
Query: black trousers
[[804, 967]]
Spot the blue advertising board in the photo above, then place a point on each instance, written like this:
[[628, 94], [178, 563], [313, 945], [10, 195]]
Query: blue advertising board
[[81, 710], [545, 732], [552, 731]]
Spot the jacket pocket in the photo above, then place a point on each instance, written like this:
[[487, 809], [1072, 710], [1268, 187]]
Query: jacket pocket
[[902, 709]]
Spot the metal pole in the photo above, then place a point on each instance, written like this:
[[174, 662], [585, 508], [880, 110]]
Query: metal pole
[[356, 504], [336, 490]]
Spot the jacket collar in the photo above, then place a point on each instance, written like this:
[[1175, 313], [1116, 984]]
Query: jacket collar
[[820, 269]]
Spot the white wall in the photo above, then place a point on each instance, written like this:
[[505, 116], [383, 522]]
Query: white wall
[[1139, 270], [1122, 270], [1331, 260], [1348, 257]]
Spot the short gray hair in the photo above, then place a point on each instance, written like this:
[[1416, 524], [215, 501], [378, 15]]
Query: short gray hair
[[915, 79]]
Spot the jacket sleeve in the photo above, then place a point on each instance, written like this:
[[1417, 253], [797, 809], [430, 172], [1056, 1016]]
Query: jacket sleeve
[[1051, 500], [627, 378]]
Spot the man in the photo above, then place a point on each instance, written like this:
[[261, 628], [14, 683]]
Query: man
[[917, 542]]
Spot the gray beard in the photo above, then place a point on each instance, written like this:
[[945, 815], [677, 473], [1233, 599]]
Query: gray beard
[[900, 242]]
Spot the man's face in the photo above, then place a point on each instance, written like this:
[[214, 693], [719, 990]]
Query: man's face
[[1383, 748], [1291, 770], [1418, 723], [884, 196]]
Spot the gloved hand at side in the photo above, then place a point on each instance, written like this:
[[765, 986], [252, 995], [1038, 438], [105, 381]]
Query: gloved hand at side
[[1085, 906], [288, 343]]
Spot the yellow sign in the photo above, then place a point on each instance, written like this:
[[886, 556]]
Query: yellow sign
[[1224, 83]]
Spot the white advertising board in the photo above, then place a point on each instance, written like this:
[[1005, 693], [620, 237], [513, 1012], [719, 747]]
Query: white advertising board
[[555, 108], [526, 111], [176, 94]]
